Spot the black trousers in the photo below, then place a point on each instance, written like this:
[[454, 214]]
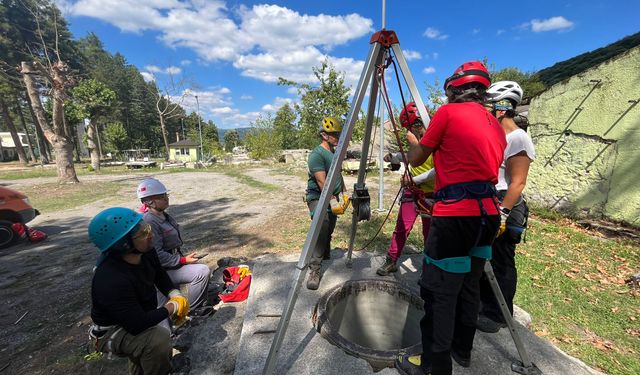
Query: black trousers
[[452, 300], [504, 266], [323, 246]]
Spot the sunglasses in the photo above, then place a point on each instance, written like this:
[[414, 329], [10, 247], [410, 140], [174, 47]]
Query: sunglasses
[[143, 231]]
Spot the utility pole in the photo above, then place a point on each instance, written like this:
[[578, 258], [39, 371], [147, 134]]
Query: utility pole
[[182, 122], [199, 128]]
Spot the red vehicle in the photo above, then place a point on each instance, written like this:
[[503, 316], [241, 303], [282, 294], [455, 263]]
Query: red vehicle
[[15, 209]]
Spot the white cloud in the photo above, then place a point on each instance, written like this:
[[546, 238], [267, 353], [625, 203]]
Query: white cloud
[[429, 70], [246, 97], [277, 103], [148, 77], [251, 35], [185, 62], [553, 23], [221, 110], [500, 32], [412, 55], [153, 69], [173, 70], [293, 90], [433, 33], [436, 55], [475, 31]]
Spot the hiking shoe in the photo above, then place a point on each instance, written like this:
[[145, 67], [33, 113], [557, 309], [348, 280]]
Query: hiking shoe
[[463, 359], [488, 325], [409, 364], [388, 267], [313, 282]]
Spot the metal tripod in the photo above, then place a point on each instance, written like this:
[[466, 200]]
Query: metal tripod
[[382, 43]]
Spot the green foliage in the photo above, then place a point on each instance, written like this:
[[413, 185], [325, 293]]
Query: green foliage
[[116, 138], [530, 82], [93, 98], [330, 98], [231, 140], [284, 128], [261, 141], [210, 137], [565, 69]]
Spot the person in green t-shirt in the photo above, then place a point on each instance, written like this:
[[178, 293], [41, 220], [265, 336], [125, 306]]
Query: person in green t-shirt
[[319, 163]]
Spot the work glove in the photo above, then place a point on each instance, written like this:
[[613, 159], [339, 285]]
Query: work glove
[[504, 215], [181, 307], [340, 204], [243, 271]]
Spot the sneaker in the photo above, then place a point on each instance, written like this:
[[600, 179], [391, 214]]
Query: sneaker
[[313, 282], [388, 267], [488, 325], [409, 364], [463, 360]]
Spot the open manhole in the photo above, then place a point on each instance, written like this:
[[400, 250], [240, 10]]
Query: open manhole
[[371, 319]]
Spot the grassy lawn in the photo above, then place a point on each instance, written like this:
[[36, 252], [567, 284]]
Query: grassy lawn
[[53, 197], [572, 283]]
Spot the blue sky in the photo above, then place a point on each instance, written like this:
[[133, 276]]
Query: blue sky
[[231, 52]]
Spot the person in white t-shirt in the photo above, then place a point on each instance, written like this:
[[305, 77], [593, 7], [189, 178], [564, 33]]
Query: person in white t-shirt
[[512, 178]]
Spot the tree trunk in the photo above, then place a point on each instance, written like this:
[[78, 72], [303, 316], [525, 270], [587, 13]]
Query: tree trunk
[[99, 141], [62, 146], [22, 156], [92, 145], [40, 139], [32, 154], [164, 137]]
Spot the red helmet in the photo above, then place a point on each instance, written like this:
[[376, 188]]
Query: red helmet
[[472, 71], [409, 115]]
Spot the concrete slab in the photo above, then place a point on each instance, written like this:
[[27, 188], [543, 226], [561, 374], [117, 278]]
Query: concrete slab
[[304, 351]]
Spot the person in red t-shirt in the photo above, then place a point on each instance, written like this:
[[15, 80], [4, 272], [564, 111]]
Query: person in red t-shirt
[[468, 146]]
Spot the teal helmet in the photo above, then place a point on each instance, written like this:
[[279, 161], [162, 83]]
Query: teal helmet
[[111, 225]]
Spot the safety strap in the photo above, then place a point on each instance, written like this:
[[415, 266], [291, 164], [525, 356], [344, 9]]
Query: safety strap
[[460, 264]]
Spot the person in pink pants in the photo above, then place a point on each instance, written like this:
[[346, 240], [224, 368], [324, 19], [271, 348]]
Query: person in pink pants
[[423, 177]]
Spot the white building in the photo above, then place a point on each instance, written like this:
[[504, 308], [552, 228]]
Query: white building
[[9, 147]]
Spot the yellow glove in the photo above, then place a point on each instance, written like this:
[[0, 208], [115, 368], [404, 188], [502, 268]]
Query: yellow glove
[[503, 227], [340, 204], [243, 271], [182, 308]]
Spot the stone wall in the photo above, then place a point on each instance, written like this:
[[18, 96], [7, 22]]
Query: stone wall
[[587, 136]]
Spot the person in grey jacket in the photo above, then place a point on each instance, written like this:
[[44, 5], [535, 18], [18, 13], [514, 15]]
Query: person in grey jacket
[[167, 243]]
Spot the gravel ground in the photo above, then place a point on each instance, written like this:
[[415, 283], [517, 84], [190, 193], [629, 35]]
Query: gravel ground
[[50, 281]]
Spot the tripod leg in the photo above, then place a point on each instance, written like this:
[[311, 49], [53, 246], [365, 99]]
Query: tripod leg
[[526, 366], [321, 209], [366, 141], [411, 83]]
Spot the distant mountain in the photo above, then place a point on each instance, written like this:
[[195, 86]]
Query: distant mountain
[[568, 68], [241, 132]]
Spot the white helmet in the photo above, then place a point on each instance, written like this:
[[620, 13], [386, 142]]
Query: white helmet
[[505, 90], [150, 187]]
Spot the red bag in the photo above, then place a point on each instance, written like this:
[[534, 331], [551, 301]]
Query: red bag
[[237, 280]]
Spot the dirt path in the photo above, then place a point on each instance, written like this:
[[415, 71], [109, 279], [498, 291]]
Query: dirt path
[[50, 281]]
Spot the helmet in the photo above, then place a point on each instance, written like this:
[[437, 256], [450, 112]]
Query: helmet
[[505, 90], [111, 225], [472, 71], [331, 125], [150, 187], [409, 115]]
